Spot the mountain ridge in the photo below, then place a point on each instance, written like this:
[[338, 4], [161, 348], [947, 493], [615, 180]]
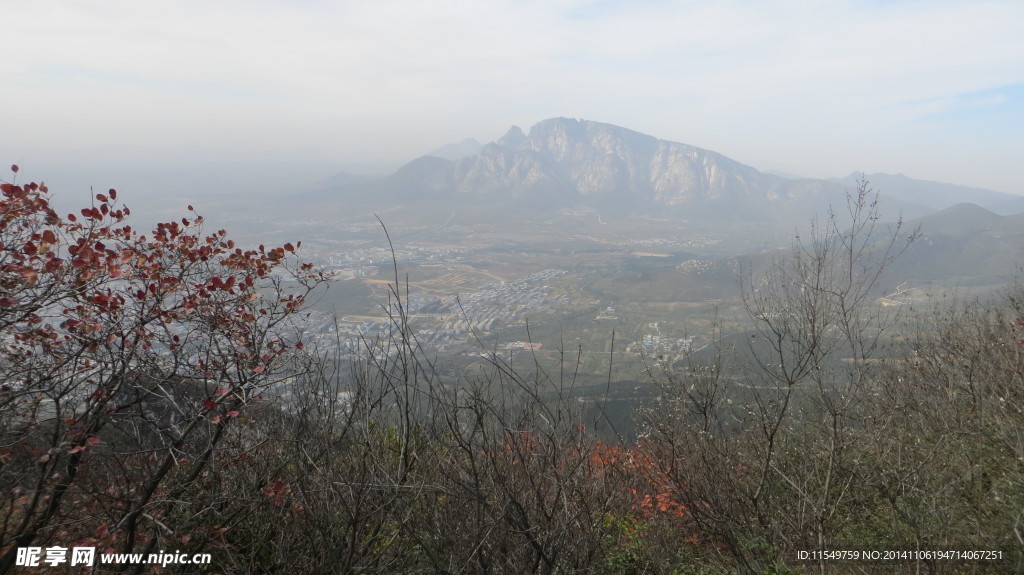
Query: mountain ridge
[[938, 195], [567, 162], [571, 163]]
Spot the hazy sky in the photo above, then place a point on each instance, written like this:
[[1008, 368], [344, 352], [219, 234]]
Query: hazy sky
[[932, 89]]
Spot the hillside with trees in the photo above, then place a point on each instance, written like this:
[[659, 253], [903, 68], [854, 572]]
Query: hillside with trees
[[160, 393]]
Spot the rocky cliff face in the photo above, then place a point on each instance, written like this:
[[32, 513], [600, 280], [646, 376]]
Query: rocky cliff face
[[601, 161], [563, 162]]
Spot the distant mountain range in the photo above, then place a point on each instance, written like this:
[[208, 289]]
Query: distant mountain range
[[963, 249], [578, 185], [564, 162], [966, 245], [937, 195]]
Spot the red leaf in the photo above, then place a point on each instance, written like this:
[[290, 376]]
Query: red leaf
[[14, 168], [52, 265], [209, 405], [259, 369]]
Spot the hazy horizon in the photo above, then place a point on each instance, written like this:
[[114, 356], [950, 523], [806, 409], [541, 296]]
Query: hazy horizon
[[96, 93]]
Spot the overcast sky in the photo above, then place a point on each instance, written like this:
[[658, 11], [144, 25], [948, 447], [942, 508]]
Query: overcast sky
[[933, 89]]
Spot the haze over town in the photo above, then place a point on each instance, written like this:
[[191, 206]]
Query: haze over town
[[251, 94]]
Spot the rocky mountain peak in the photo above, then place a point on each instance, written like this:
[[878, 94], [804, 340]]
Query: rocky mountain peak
[[598, 160], [564, 161], [512, 138]]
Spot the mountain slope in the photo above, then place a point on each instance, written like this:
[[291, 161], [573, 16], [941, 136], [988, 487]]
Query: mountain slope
[[937, 195], [966, 245], [600, 163]]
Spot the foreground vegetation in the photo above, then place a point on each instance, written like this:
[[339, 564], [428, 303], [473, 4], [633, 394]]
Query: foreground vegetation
[[159, 394]]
